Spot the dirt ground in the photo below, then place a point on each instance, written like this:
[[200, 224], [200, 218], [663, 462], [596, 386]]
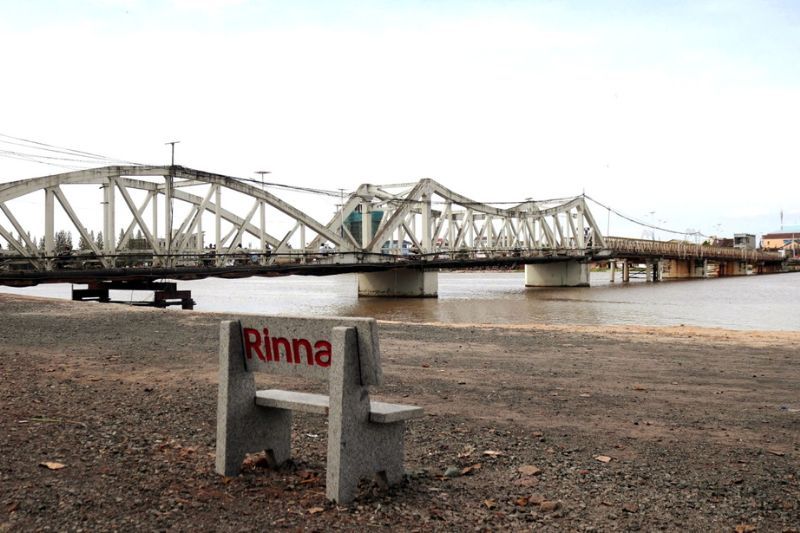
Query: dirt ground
[[527, 428]]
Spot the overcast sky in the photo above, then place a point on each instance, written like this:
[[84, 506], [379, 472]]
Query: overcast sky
[[686, 109]]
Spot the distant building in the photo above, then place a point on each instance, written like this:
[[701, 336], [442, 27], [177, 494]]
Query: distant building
[[722, 242], [788, 240], [746, 241]]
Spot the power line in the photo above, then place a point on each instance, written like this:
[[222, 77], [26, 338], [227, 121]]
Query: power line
[[285, 186], [56, 151], [645, 224], [62, 149], [22, 155], [34, 160]]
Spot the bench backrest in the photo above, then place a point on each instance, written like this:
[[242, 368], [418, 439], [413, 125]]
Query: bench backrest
[[301, 346]]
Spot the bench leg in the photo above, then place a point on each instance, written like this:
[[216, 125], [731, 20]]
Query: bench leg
[[242, 426], [357, 448]]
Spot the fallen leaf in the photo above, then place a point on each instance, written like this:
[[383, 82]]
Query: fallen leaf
[[492, 453], [779, 453], [315, 510], [470, 469], [529, 470], [12, 507], [745, 528], [490, 503], [585, 395], [522, 501], [52, 466], [603, 458], [527, 481], [639, 387]]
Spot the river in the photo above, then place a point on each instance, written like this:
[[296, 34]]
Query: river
[[769, 302]]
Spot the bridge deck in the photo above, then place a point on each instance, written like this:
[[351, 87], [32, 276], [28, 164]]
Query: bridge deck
[[31, 277]]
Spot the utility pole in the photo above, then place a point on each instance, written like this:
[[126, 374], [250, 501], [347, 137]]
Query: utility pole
[[262, 172], [172, 144], [341, 211]]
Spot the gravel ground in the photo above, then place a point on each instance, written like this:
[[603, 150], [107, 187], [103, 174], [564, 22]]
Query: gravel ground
[[528, 428]]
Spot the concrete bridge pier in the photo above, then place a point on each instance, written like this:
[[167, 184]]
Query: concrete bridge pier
[[732, 268], [768, 268], [685, 268], [562, 274], [653, 270], [626, 271], [399, 282]]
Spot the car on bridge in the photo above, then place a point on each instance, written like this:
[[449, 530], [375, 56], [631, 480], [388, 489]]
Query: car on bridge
[[394, 247]]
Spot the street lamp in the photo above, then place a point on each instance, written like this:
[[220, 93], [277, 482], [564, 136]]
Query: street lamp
[[172, 144], [262, 172]]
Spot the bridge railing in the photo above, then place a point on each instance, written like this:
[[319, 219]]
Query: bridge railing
[[85, 260], [684, 250]]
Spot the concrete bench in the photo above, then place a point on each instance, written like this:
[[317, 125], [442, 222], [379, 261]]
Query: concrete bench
[[365, 438]]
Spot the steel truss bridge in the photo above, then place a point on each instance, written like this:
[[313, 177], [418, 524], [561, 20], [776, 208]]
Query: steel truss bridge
[[143, 223]]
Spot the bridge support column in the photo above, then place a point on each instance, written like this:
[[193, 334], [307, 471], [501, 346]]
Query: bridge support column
[[613, 266], [768, 268], [653, 270], [400, 282], [626, 271], [563, 274], [732, 268], [658, 270], [685, 269]]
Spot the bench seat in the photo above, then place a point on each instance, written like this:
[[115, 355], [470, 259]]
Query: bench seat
[[379, 412]]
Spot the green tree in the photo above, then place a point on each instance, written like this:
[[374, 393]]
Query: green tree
[[63, 241], [83, 244], [99, 240]]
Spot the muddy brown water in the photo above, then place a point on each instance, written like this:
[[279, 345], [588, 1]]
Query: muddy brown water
[[767, 302]]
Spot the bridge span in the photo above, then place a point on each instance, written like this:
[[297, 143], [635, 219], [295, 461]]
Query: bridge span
[[140, 224]]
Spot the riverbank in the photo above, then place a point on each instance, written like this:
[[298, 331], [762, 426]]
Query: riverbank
[[619, 427]]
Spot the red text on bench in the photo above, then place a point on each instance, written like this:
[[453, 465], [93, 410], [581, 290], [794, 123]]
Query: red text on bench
[[271, 349]]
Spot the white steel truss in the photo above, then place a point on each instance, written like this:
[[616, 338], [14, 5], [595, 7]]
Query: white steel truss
[[154, 216], [431, 219]]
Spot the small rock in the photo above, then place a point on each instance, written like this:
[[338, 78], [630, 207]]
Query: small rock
[[529, 470], [536, 499], [549, 506], [452, 471]]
